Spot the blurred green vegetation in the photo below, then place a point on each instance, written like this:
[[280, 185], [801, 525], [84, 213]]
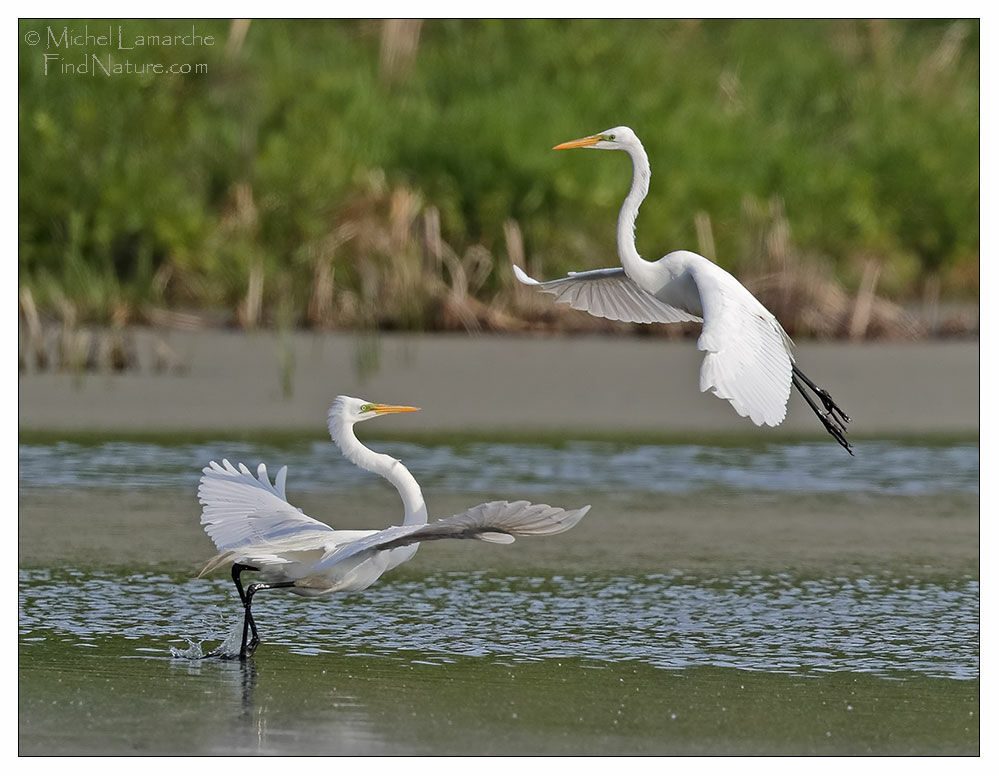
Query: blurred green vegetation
[[300, 180]]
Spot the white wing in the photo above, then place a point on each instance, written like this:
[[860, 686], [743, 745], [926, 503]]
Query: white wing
[[239, 509], [495, 521], [748, 358], [608, 293]]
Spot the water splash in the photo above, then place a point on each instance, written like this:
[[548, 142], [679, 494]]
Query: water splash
[[229, 649], [193, 651], [231, 645]]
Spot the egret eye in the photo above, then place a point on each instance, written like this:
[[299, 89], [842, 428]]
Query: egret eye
[[367, 407], [608, 137]]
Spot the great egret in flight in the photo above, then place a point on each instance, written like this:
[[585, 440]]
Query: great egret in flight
[[749, 360], [256, 529]]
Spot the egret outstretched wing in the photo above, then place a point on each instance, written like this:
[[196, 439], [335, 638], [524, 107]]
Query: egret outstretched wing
[[257, 530], [495, 521], [748, 360], [239, 509], [747, 354], [608, 293]]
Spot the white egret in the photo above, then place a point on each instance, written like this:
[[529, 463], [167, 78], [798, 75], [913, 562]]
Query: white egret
[[748, 357], [255, 528]]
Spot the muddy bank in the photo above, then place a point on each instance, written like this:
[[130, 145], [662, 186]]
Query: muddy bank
[[810, 534], [234, 381]]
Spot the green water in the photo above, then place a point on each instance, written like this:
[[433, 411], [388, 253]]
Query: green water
[[795, 608], [342, 703]]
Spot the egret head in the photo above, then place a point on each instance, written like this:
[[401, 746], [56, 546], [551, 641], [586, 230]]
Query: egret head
[[620, 138], [347, 409]]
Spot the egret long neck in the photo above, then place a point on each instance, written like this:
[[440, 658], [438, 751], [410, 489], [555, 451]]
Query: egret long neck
[[634, 265], [389, 468]]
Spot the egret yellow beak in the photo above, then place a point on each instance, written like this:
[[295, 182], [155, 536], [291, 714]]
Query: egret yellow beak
[[388, 409], [583, 142]]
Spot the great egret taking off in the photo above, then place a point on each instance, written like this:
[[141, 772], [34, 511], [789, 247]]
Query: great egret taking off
[[256, 529], [748, 357]]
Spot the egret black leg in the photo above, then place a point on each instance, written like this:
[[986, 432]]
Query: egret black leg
[[833, 418], [249, 626], [237, 569], [827, 400]]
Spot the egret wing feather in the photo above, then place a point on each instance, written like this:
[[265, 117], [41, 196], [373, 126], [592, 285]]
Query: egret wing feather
[[608, 293], [747, 354], [239, 509], [496, 521]]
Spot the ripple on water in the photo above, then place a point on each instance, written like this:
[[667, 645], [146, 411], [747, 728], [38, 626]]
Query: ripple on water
[[881, 467], [755, 622]]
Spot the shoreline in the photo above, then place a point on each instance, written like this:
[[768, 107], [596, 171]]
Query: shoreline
[[515, 385]]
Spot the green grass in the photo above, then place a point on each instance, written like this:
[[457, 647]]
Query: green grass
[[297, 153]]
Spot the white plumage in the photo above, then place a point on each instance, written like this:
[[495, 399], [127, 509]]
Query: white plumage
[[748, 359], [255, 528]]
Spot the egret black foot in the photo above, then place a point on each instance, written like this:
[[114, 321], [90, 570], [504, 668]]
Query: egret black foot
[[837, 431], [250, 636], [832, 408], [833, 418], [247, 651]]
